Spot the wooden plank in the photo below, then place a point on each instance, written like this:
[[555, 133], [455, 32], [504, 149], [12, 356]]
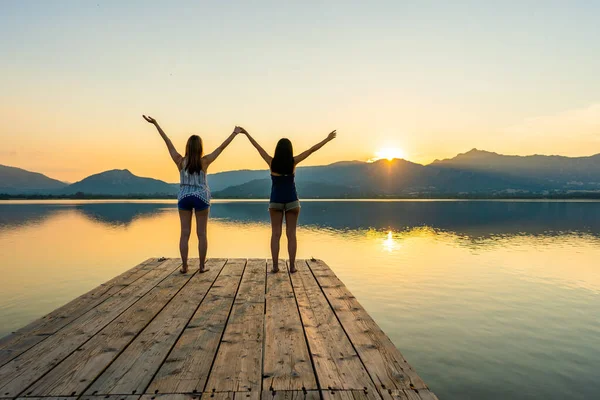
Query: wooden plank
[[247, 396], [287, 364], [80, 369], [119, 397], [384, 362], [170, 396], [130, 397], [25, 338], [45, 398], [336, 363], [187, 367], [219, 396], [133, 370], [27, 368], [291, 395], [231, 396], [238, 365], [350, 395]]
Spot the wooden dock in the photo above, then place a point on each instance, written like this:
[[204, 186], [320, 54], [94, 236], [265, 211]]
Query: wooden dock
[[236, 331]]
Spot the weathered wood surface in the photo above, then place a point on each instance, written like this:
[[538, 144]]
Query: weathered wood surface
[[188, 365], [133, 370], [383, 361], [287, 364], [75, 373], [25, 338], [238, 365], [337, 364], [349, 395], [237, 332], [291, 395], [28, 367]]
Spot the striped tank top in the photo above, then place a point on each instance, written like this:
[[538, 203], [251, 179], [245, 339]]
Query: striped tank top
[[193, 185]]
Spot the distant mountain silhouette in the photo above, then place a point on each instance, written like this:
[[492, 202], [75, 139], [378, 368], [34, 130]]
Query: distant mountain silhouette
[[475, 173], [17, 180], [223, 180], [387, 179], [119, 182], [566, 172], [261, 189]]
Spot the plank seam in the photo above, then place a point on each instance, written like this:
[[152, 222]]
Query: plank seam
[[312, 363], [224, 329], [135, 337], [264, 325], [342, 325], [333, 275], [65, 326], [184, 328], [94, 335]]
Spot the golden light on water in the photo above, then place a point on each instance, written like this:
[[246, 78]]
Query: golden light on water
[[389, 243]]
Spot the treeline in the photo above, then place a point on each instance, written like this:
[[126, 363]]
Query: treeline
[[85, 196], [415, 196]]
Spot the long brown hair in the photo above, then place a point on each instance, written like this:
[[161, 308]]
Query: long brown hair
[[193, 154]]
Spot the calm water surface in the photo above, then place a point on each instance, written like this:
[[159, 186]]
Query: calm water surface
[[487, 300]]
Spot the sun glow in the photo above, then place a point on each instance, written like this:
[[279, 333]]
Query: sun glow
[[390, 243], [388, 153]]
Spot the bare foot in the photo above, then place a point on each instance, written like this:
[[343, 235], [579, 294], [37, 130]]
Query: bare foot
[[203, 270], [183, 269], [275, 269], [293, 269]]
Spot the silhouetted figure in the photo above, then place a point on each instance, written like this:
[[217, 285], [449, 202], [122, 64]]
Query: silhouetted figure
[[284, 198]]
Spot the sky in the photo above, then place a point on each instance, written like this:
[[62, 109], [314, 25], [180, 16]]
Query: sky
[[430, 79]]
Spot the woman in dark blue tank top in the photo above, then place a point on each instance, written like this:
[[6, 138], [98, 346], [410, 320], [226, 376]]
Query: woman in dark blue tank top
[[284, 198]]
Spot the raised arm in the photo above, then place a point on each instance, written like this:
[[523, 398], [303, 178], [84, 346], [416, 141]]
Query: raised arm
[[172, 151], [209, 158], [257, 146], [302, 156]]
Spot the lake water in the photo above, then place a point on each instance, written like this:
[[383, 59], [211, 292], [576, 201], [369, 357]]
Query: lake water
[[486, 299]]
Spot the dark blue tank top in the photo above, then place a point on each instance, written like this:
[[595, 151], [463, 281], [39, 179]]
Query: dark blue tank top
[[283, 189]]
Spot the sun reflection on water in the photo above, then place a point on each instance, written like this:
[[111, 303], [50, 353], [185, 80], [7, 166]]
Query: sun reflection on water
[[390, 244]]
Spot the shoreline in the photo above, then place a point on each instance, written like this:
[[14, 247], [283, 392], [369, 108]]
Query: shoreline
[[447, 197]]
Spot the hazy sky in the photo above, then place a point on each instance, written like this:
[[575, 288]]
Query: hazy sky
[[430, 78]]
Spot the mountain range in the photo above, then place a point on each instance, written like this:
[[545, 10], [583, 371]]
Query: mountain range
[[477, 172]]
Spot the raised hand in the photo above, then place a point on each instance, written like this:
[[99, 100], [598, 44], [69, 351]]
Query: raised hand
[[332, 135], [172, 151], [242, 130], [238, 129], [150, 119]]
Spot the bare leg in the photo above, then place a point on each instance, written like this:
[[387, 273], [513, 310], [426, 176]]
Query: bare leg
[[291, 221], [201, 223], [276, 222], [185, 217]]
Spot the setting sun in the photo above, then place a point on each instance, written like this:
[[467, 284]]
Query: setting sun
[[388, 153]]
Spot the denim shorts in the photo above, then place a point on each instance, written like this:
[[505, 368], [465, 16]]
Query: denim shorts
[[284, 206], [190, 203]]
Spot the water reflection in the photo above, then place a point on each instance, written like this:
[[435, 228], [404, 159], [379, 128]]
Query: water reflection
[[472, 220], [486, 300], [14, 215]]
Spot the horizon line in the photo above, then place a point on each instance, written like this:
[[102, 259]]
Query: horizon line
[[370, 161]]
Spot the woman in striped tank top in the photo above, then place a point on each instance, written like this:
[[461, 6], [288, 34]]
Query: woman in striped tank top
[[194, 193]]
